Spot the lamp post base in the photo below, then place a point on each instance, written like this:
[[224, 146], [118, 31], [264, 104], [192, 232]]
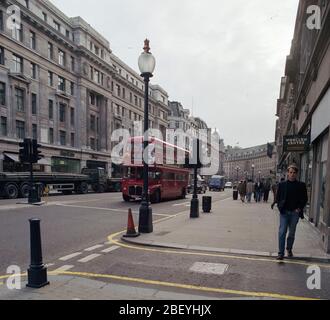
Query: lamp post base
[[145, 218], [194, 208]]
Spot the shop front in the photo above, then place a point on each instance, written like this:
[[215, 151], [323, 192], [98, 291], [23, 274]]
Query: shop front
[[11, 163], [65, 165]]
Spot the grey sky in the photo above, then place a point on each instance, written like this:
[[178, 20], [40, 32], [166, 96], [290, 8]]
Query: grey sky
[[224, 58]]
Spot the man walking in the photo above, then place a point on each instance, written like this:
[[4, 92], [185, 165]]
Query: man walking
[[291, 200]]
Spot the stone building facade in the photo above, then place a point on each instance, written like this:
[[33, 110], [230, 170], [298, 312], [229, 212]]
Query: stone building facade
[[61, 83], [303, 109], [250, 163]]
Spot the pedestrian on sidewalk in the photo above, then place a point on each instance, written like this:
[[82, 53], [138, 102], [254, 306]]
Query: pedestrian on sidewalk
[[259, 189], [249, 190], [267, 187], [242, 190], [274, 190], [291, 200]]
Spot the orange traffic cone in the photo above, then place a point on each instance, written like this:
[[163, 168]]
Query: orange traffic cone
[[131, 232]]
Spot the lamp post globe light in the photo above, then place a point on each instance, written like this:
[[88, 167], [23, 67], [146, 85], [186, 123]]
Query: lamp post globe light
[[147, 63]]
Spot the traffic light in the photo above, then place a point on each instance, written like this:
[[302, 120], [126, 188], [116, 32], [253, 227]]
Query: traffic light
[[36, 154], [25, 151]]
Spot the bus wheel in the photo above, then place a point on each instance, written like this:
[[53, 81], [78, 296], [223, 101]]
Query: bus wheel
[[156, 198], [126, 198], [25, 190], [83, 188], [11, 191]]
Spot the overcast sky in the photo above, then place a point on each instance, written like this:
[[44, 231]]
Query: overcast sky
[[221, 59]]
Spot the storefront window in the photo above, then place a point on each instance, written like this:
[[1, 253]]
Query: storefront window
[[65, 165], [323, 175]]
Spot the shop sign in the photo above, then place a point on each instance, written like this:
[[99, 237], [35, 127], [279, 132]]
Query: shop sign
[[296, 143], [67, 154]]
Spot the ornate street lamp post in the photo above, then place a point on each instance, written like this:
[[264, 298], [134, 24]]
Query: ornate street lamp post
[[237, 168], [147, 65], [253, 166]]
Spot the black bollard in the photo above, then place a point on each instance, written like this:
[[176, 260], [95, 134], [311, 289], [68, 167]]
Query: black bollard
[[194, 208], [207, 204], [37, 273]]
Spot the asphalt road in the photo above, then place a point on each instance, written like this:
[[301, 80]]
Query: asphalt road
[[75, 232]]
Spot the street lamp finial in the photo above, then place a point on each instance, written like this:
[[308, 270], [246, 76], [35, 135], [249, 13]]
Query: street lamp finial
[[146, 46]]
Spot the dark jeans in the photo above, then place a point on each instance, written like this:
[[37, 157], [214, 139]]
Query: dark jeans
[[288, 220]]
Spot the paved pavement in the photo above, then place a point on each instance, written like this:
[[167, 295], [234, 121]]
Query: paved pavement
[[232, 228]]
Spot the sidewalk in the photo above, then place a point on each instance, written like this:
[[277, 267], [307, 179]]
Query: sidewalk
[[233, 227]]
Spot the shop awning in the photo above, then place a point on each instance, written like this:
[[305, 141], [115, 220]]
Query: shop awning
[[12, 156], [44, 162]]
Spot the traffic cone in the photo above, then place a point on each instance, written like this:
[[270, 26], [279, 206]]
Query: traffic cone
[[131, 232]]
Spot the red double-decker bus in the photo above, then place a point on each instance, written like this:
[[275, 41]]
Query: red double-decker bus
[[167, 177]]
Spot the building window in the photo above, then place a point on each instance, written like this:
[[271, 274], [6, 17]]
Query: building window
[[118, 90], [130, 97], [19, 100], [35, 132], [61, 57], [92, 99], [61, 84], [72, 63], [92, 123], [2, 93], [44, 16], [51, 109], [50, 51], [33, 70], [124, 93], [72, 140], [62, 112], [20, 129], [50, 78], [57, 26], [97, 50], [51, 136], [63, 138], [3, 129], [33, 40], [17, 64], [92, 143], [72, 116], [97, 76], [2, 55], [136, 100], [18, 32], [67, 33], [34, 103], [1, 21], [92, 73], [72, 88]]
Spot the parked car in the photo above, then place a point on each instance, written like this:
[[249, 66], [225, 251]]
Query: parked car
[[217, 183], [229, 185]]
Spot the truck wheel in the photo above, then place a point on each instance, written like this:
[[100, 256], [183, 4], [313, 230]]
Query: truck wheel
[[156, 198], [25, 190], [83, 188], [126, 198], [11, 191], [101, 188]]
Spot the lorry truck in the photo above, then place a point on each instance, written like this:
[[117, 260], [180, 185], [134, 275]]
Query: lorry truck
[[17, 184]]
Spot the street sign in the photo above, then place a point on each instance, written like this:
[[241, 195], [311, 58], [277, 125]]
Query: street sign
[[296, 143]]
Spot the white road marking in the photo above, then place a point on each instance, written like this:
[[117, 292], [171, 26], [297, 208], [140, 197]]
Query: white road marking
[[94, 248], [63, 269], [113, 248], [89, 258], [70, 256], [180, 204]]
